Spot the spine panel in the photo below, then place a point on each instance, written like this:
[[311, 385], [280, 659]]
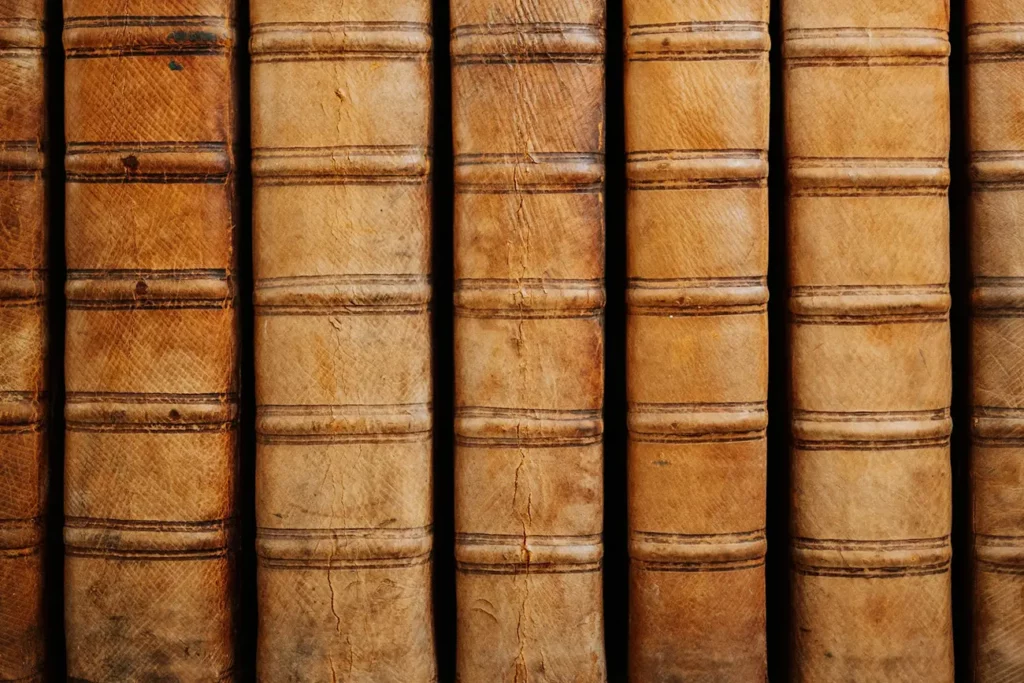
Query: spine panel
[[151, 369], [23, 341], [867, 123], [528, 91], [341, 166], [697, 94], [995, 65]]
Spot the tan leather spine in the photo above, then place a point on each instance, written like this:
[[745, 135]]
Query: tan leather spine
[[995, 67], [867, 134], [528, 108], [697, 99], [151, 369], [341, 101], [23, 340]]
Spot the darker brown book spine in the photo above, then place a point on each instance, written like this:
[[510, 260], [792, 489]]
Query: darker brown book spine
[[23, 340], [341, 101], [697, 100], [995, 69], [151, 358], [867, 135]]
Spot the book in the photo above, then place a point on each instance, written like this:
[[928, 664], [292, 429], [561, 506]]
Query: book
[[24, 340], [342, 135], [995, 64], [697, 99], [528, 122], [151, 358], [867, 135]]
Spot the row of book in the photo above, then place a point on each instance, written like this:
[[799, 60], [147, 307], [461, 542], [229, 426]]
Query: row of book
[[341, 117]]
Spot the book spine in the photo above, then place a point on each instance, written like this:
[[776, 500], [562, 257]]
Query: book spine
[[867, 131], [23, 340], [341, 131], [697, 100], [995, 67], [528, 110], [151, 367]]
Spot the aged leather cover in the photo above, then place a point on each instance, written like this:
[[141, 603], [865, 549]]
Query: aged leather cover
[[151, 372], [341, 95], [528, 108], [696, 100], [867, 135], [995, 67], [23, 339]]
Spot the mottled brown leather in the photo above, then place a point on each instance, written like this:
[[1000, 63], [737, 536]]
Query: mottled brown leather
[[867, 135], [151, 370], [23, 339], [341, 95], [697, 99], [528, 107], [995, 69]]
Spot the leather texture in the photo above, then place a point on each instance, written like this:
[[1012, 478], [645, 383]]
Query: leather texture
[[528, 110], [995, 67], [151, 367], [23, 340], [867, 135], [341, 101], [697, 101]]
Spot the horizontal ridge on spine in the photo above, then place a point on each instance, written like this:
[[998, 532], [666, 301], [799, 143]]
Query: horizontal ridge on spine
[[867, 176], [354, 164], [999, 554], [149, 289], [148, 539], [529, 298], [125, 36], [150, 412], [343, 548], [998, 297], [526, 427], [153, 161], [697, 296], [698, 41], [998, 426], [872, 559], [659, 551], [22, 408], [997, 170], [696, 422], [21, 536], [672, 169], [343, 294], [995, 42], [343, 420], [322, 41], [869, 304], [21, 36], [22, 157], [544, 42], [849, 46], [22, 287], [871, 430], [534, 172], [482, 553]]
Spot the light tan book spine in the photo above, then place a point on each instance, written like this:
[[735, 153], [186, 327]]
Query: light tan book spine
[[24, 339], [995, 69], [697, 100], [341, 96], [151, 347], [867, 135], [528, 107]]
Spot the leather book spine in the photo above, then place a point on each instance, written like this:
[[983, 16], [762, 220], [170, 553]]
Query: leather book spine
[[697, 100], [151, 358], [23, 340], [528, 117], [867, 134], [341, 131], [995, 67]]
